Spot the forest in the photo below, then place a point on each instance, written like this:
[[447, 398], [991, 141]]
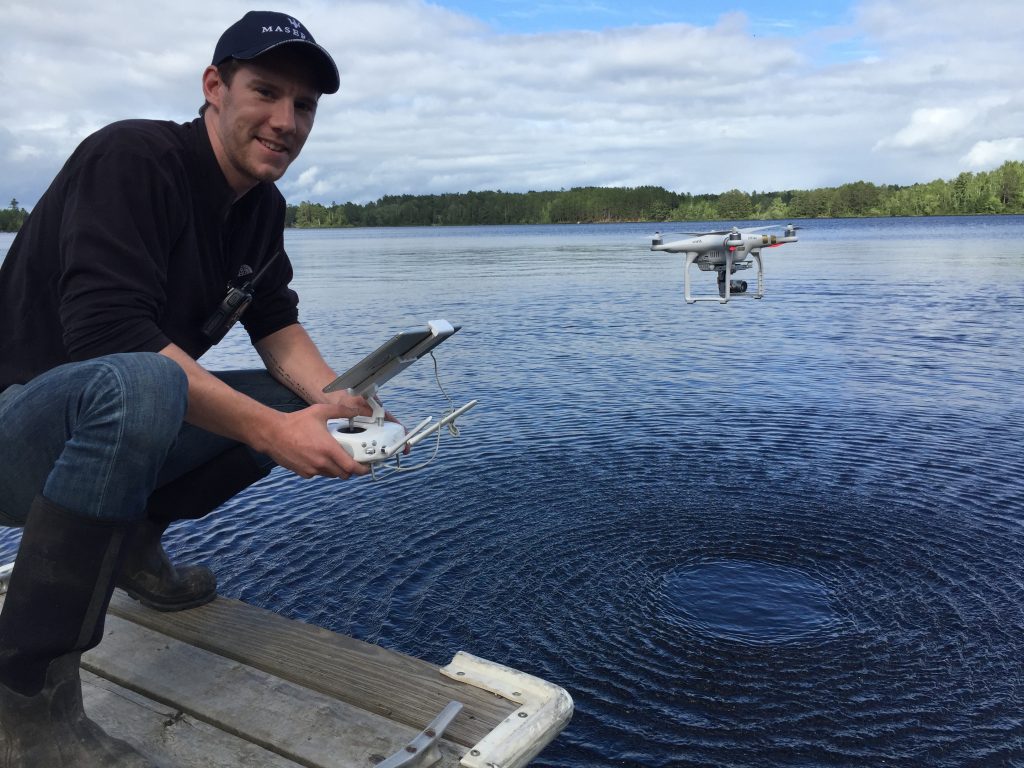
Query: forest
[[11, 217], [988, 192]]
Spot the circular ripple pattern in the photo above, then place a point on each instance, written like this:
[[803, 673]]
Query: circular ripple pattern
[[747, 602], [569, 575]]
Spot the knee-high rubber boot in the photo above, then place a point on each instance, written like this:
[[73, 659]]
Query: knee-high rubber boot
[[148, 575], [54, 610]]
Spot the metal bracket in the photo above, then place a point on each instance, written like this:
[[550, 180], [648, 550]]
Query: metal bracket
[[544, 711], [422, 751]]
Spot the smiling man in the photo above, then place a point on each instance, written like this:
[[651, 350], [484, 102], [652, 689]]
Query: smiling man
[[148, 245], [263, 113]]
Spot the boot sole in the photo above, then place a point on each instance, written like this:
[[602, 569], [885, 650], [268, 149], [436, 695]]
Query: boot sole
[[165, 606]]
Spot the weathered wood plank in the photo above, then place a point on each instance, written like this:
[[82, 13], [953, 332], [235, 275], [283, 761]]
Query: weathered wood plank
[[300, 726], [168, 737], [404, 689]]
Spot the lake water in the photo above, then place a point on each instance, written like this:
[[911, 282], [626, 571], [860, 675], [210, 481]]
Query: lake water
[[777, 532]]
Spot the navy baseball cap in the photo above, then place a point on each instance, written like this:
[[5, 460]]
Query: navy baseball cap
[[260, 31]]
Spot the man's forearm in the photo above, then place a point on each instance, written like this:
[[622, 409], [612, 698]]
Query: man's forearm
[[216, 407], [298, 440], [292, 358]]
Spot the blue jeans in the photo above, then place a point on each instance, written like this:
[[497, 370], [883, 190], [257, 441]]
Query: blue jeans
[[98, 436]]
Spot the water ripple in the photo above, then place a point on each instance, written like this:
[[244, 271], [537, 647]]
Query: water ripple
[[775, 533]]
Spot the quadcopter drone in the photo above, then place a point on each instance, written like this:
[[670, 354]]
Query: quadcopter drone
[[725, 255]]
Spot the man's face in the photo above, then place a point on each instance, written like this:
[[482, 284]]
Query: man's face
[[260, 122]]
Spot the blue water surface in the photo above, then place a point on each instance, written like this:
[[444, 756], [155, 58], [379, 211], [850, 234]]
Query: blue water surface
[[785, 532]]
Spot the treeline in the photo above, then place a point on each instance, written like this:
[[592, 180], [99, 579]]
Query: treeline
[[12, 217], [582, 204], [990, 192]]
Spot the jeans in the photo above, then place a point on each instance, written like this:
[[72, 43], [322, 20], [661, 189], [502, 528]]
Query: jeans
[[98, 436]]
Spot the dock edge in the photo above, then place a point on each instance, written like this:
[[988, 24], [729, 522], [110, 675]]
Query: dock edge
[[544, 710]]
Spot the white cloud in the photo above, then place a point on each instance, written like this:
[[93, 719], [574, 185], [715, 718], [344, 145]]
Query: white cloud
[[986, 155], [435, 101], [929, 127], [24, 152]]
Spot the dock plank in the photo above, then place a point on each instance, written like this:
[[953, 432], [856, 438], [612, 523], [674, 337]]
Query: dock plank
[[172, 739], [265, 715], [399, 687]]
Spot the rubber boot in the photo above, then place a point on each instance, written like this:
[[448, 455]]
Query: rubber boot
[[148, 574], [150, 577], [54, 611]]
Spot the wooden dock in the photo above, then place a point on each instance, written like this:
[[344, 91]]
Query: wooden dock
[[229, 685]]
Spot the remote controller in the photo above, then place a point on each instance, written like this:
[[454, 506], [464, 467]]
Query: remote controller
[[365, 440], [370, 439]]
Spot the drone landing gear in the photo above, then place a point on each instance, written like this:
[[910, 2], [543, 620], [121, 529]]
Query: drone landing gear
[[726, 288]]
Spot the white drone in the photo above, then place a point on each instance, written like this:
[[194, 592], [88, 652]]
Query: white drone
[[725, 255]]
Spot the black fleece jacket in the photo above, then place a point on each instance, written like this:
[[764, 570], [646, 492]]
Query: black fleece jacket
[[132, 247]]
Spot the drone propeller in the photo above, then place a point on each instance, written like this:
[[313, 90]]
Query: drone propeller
[[733, 231]]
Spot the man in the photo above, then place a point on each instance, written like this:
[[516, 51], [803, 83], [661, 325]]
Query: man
[[112, 290]]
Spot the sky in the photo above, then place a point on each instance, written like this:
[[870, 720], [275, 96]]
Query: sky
[[519, 95]]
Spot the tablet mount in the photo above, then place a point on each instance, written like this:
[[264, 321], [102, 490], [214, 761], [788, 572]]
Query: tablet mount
[[373, 439]]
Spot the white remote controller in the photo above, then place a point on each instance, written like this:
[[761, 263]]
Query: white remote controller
[[365, 440], [373, 438]]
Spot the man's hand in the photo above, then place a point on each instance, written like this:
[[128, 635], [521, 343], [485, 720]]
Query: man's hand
[[301, 442], [293, 359]]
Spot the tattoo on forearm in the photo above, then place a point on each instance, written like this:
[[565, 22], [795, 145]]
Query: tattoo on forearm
[[278, 372]]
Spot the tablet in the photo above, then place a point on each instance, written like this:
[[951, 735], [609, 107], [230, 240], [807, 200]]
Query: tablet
[[391, 358]]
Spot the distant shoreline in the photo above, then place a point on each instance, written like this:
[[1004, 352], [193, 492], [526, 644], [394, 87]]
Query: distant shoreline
[[996, 192], [988, 193], [669, 221]]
